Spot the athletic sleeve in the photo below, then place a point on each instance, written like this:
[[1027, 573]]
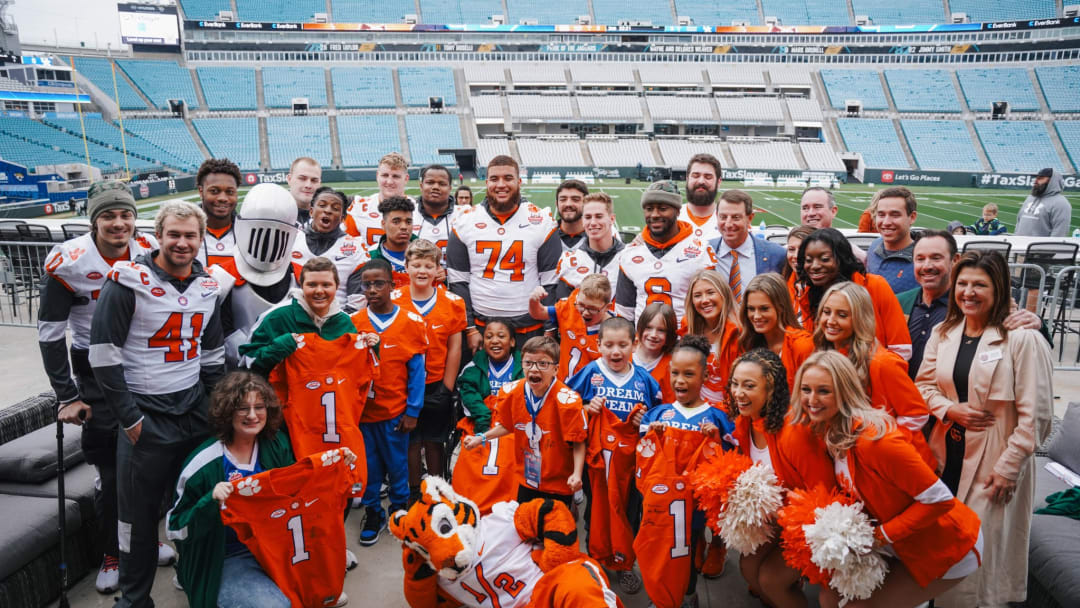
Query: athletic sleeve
[[414, 400], [897, 461], [457, 273], [269, 345], [195, 513], [53, 311], [547, 263], [575, 427], [625, 297], [108, 332], [901, 393], [579, 383], [472, 396], [212, 359]]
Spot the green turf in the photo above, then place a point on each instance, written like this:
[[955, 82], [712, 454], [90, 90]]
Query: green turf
[[936, 206]]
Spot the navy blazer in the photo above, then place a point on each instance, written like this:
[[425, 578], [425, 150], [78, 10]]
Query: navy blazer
[[768, 256]]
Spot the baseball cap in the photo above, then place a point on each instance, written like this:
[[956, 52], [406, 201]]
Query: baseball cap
[[664, 191], [109, 194]]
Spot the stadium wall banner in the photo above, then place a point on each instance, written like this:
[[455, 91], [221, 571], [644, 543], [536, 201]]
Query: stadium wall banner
[[954, 179], [155, 185]]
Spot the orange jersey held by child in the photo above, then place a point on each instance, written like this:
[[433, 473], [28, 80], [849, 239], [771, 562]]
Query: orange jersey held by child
[[484, 475], [610, 457], [577, 347]]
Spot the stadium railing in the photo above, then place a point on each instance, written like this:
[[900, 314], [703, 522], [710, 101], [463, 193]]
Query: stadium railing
[[1061, 312], [21, 268]]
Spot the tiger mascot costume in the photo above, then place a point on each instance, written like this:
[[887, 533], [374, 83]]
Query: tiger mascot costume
[[517, 556]]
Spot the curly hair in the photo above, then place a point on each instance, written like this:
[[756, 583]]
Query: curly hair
[[846, 262], [230, 394], [699, 345], [321, 190], [775, 374], [218, 165]]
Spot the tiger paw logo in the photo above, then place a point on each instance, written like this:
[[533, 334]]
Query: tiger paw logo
[[566, 395], [248, 487], [646, 448], [331, 457]]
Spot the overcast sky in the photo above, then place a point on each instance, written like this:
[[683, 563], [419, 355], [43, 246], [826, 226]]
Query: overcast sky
[[72, 22]]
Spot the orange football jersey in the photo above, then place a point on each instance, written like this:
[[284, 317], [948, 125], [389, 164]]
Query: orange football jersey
[[403, 337], [577, 348], [610, 458], [484, 475], [445, 318]]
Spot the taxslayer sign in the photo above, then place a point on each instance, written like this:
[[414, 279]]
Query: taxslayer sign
[[264, 178], [992, 180]]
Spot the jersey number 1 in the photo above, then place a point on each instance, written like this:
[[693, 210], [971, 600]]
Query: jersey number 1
[[329, 403], [296, 526], [171, 337], [677, 509]]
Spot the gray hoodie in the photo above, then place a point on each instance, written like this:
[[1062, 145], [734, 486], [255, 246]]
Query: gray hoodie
[[1046, 215]]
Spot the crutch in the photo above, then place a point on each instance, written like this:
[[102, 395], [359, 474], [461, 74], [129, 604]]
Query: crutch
[[61, 508]]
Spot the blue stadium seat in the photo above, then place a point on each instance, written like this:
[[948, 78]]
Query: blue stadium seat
[[876, 139], [40, 134], [459, 11], [610, 12], [294, 136], [546, 12], [363, 87], [941, 145], [717, 12], [161, 81], [204, 9], [1069, 132], [418, 84], [429, 132], [228, 88], [368, 11], [236, 139], [891, 12], [922, 90], [101, 131], [807, 12], [982, 87], [998, 10], [170, 135], [15, 150], [98, 70], [842, 85], [1061, 87], [1017, 146], [279, 10], [366, 139], [281, 85]]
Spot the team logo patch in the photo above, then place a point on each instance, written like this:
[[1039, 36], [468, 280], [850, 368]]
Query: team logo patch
[[566, 395], [182, 301], [570, 334], [435, 230], [691, 252], [348, 249], [639, 385], [535, 219], [331, 457], [234, 476], [297, 255], [668, 415], [93, 276], [374, 215], [208, 283], [679, 485], [658, 265], [637, 259], [659, 489], [313, 385], [596, 380], [481, 226], [610, 439], [248, 487], [583, 270], [646, 448], [220, 246], [329, 379], [278, 514], [501, 230], [157, 292]]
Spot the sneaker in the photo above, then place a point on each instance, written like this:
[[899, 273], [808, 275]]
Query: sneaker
[[341, 600], [629, 582], [374, 524], [714, 563], [350, 560], [358, 503], [579, 497], [176, 582], [165, 555], [108, 577], [690, 601]]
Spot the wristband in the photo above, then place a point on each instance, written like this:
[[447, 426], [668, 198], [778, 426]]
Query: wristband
[[483, 438]]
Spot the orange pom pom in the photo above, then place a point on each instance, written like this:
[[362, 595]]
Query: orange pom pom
[[713, 479], [798, 512]]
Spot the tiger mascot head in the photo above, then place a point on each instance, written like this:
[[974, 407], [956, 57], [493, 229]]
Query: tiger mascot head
[[441, 527]]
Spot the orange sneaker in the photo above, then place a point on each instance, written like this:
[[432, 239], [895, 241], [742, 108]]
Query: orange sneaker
[[714, 563]]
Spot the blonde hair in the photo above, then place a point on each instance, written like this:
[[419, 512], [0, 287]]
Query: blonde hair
[[423, 249], [696, 325], [863, 336], [394, 160], [181, 210], [600, 197], [854, 414], [774, 288], [990, 207], [596, 286]]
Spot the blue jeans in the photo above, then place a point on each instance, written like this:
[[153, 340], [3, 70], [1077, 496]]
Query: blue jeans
[[244, 584], [387, 454]]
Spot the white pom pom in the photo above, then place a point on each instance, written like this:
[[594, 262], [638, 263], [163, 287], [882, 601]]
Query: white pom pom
[[841, 541], [746, 521]]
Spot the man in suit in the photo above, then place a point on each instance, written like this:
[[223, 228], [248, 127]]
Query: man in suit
[[740, 257]]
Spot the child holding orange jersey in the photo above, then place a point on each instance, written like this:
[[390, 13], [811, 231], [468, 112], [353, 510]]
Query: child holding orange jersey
[[577, 318]]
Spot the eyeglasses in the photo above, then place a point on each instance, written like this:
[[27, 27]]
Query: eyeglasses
[[379, 284], [244, 409], [592, 310], [540, 365]]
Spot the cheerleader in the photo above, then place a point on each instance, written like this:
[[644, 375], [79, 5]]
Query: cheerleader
[[769, 318]]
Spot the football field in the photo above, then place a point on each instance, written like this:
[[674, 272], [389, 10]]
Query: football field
[[936, 206]]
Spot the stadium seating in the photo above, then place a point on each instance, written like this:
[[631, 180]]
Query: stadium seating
[[368, 87], [922, 90], [804, 110], [941, 145], [610, 107], [13, 149], [538, 73], [418, 84], [291, 137], [891, 12], [807, 12], [820, 156], [678, 151], [366, 139], [1017, 146], [602, 73], [982, 87], [981, 10], [736, 74], [865, 85], [550, 152], [764, 155], [611, 12], [279, 10], [717, 12], [282, 84], [366, 11], [540, 106], [107, 133], [674, 108], [876, 139], [170, 135], [484, 72], [204, 9], [789, 75], [98, 71], [623, 152], [1069, 132], [459, 11], [487, 149], [43, 135], [228, 88], [486, 107], [236, 139], [1061, 87], [546, 12], [429, 132], [161, 81], [659, 74], [749, 110]]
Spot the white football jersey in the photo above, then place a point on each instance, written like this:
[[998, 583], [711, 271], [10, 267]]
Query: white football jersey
[[78, 265], [705, 228], [437, 232], [347, 253], [216, 250], [575, 265], [504, 258], [163, 350], [364, 221], [503, 565], [663, 279]]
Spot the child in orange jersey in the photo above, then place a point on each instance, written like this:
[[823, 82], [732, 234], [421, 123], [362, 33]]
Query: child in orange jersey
[[656, 337], [769, 319], [577, 318]]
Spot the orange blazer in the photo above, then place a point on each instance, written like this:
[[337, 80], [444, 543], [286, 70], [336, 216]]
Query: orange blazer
[[892, 390], [889, 321], [798, 456]]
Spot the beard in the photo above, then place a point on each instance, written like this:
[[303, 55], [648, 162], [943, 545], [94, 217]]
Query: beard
[[515, 200], [701, 198], [1039, 189]]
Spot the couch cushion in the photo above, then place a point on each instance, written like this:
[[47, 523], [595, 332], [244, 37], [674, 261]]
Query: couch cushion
[[32, 457], [28, 415], [1053, 556], [28, 529], [79, 485], [1065, 448]]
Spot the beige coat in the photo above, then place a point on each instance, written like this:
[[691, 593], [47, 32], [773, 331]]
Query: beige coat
[[1010, 377]]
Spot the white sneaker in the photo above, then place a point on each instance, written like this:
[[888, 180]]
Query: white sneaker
[[350, 560], [166, 555], [341, 600], [108, 577]]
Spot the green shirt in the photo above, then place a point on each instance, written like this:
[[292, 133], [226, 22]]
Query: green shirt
[[272, 340], [474, 388]]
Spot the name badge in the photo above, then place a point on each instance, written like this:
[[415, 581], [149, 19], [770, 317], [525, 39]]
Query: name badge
[[532, 468], [990, 356]]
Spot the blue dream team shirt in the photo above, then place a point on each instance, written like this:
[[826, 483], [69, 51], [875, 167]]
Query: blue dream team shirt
[[688, 419], [621, 391]]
